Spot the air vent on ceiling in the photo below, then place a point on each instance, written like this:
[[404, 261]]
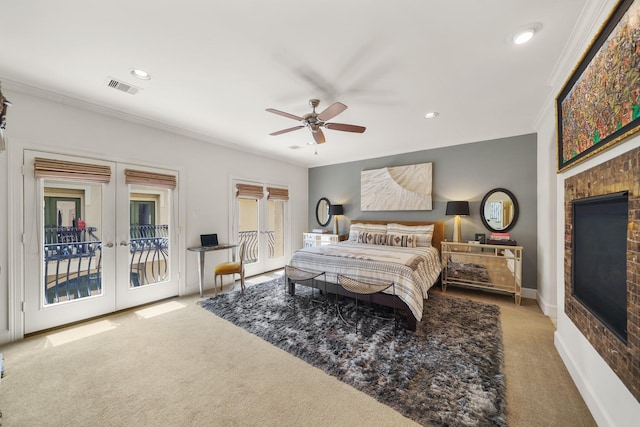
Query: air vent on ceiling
[[121, 86], [294, 147]]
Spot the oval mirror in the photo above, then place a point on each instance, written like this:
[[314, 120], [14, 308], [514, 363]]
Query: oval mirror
[[499, 210], [322, 212]]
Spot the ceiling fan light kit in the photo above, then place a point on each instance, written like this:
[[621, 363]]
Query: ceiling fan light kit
[[316, 121]]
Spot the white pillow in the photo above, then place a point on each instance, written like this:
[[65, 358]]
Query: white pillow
[[423, 233]]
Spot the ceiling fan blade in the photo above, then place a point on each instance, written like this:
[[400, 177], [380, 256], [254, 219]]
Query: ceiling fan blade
[[282, 113], [318, 136], [286, 130], [344, 127], [332, 111]]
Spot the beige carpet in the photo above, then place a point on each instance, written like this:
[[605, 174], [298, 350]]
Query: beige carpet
[[176, 364]]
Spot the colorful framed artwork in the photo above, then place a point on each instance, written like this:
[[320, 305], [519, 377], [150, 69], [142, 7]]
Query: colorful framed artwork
[[599, 105]]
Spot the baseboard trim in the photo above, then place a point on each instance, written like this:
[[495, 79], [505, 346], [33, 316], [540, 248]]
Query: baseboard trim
[[528, 293], [550, 310], [584, 387]]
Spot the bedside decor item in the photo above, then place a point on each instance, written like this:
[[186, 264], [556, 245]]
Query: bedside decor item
[[608, 72], [457, 208], [481, 237], [334, 211], [499, 210], [322, 212], [400, 188]]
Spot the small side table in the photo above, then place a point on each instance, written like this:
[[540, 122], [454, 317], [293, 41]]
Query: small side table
[[201, 250]]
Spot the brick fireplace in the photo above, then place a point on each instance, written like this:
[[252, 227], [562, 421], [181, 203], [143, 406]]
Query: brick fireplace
[[618, 174]]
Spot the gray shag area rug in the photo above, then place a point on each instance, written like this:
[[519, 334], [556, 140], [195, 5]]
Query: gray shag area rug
[[447, 373]]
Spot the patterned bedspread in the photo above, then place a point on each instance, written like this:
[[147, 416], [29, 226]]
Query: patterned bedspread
[[413, 270]]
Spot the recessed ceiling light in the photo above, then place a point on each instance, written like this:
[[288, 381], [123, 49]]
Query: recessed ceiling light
[[431, 115], [526, 33], [141, 74]]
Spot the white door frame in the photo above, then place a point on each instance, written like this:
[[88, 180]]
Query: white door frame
[[263, 265], [16, 291]]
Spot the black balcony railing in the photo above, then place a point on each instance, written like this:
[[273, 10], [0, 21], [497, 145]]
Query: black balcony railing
[[250, 237], [73, 260], [72, 263], [149, 248]]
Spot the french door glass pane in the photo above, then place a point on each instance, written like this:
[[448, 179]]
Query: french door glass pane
[[275, 233], [248, 217], [72, 241], [149, 213]]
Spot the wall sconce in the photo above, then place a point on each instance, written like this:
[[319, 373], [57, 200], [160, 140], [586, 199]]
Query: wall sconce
[[335, 210], [457, 208]]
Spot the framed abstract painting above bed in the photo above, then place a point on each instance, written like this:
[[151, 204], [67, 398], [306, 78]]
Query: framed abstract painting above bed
[[404, 253], [599, 106]]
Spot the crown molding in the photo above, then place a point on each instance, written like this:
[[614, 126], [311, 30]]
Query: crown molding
[[593, 15], [60, 98]]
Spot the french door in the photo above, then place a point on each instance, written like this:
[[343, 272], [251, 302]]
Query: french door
[[261, 221], [98, 238]]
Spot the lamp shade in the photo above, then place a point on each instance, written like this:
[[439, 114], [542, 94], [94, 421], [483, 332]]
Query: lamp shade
[[336, 210], [457, 208]]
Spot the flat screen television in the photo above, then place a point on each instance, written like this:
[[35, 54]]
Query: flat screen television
[[600, 258]]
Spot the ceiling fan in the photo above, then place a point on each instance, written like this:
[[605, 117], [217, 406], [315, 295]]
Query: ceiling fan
[[315, 121]]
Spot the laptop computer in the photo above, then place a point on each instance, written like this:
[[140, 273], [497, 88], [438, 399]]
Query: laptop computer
[[209, 239]]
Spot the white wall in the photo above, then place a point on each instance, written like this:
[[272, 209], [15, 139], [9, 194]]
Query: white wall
[[608, 399], [53, 124], [547, 265]]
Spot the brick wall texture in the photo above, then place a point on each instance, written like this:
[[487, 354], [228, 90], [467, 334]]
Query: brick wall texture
[[619, 174]]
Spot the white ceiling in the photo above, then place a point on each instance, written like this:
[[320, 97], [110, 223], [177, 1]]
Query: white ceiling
[[217, 65]]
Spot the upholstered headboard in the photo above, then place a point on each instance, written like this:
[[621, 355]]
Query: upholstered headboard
[[438, 228]]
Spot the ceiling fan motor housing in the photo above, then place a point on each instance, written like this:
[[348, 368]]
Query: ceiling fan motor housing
[[314, 124]]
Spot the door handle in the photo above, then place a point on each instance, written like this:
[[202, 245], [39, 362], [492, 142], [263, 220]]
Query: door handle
[[108, 245], [124, 243]]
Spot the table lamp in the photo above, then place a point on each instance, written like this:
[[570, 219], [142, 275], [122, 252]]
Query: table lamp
[[457, 208], [335, 210]]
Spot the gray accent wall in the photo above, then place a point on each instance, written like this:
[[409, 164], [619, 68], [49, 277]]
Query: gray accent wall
[[462, 172]]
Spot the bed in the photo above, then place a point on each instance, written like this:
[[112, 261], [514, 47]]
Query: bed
[[404, 253]]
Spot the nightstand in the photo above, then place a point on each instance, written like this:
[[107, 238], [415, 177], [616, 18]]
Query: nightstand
[[483, 266]]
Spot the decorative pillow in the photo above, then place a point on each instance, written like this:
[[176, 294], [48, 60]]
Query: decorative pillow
[[357, 228], [422, 233], [404, 240], [372, 238]]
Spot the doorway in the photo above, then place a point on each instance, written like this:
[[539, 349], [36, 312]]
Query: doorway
[[261, 222], [98, 238]]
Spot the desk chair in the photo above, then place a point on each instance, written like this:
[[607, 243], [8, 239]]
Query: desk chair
[[232, 268]]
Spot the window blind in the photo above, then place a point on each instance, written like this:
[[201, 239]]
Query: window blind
[[151, 179], [278, 193], [62, 169], [249, 191]]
